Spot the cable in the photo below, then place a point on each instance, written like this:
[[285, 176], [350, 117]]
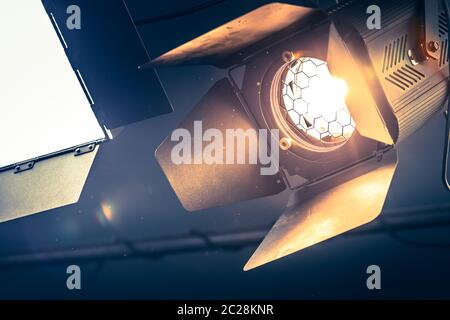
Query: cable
[[185, 12], [447, 126], [155, 248], [393, 232]]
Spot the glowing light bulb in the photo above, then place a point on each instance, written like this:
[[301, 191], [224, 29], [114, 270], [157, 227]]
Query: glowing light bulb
[[315, 101]]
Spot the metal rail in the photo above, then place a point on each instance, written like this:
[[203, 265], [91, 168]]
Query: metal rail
[[391, 222]]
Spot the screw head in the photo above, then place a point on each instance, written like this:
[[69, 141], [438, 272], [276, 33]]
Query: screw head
[[287, 56], [433, 46], [285, 144]]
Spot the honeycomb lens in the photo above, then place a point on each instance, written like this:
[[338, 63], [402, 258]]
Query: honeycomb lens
[[314, 102]]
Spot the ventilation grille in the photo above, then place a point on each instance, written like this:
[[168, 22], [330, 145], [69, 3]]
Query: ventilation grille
[[443, 25], [405, 77], [443, 59], [443, 34], [394, 53]]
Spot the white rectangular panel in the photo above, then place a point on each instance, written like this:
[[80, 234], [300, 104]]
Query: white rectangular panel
[[43, 108]]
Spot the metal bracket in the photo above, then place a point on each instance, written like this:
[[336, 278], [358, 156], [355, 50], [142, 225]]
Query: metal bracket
[[84, 149], [24, 167], [432, 43], [29, 165], [379, 154]]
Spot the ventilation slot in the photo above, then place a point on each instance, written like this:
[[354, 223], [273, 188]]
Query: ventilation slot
[[397, 82], [405, 77], [443, 25], [394, 53], [443, 60]]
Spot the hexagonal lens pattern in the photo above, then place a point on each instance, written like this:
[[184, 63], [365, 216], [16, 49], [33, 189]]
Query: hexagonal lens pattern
[[315, 101]]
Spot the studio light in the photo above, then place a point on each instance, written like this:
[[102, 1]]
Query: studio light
[[342, 94], [63, 93], [314, 101]]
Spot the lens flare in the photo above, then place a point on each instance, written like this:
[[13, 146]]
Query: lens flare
[[315, 101], [107, 211]]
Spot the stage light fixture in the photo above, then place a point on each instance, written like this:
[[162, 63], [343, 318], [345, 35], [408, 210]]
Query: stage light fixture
[[63, 93], [343, 96], [314, 101]]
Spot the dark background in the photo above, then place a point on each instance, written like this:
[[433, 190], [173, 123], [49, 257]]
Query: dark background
[[127, 177]]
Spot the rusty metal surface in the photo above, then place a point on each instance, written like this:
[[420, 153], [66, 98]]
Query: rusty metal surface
[[236, 34], [324, 215], [200, 186]]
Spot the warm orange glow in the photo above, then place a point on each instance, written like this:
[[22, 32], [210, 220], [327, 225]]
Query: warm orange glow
[[315, 100], [327, 214], [107, 211], [237, 34], [360, 100]]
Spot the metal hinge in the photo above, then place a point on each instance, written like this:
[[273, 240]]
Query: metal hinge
[[24, 167], [85, 149], [379, 155]]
